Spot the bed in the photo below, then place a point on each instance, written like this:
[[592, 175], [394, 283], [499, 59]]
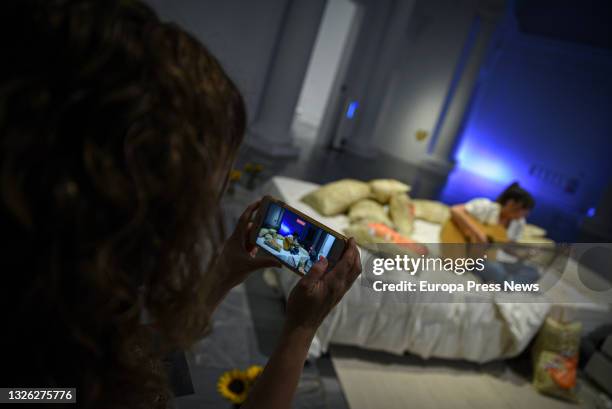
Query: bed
[[490, 327], [294, 260]]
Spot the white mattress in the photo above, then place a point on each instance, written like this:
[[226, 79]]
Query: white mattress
[[476, 331]]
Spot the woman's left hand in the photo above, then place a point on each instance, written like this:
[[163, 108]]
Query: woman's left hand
[[239, 257]]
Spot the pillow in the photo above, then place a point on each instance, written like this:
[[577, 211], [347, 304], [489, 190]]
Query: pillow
[[369, 234], [334, 198], [367, 210], [431, 210], [383, 189], [536, 240], [274, 244], [401, 211], [362, 234], [531, 230]]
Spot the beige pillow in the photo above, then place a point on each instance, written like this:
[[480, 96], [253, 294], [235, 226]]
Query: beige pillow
[[401, 211], [531, 230], [538, 240], [383, 189], [367, 210], [362, 234], [431, 210], [383, 240], [334, 198]]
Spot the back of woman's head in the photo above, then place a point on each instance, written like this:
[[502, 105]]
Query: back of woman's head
[[117, 132], [518, 195]]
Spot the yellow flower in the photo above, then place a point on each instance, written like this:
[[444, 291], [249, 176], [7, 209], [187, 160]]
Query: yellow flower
[[234, 386], [235, 175], [253, 372]]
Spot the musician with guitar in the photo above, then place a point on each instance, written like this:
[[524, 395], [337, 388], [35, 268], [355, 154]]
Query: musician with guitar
[[508, 211], [482, 220]]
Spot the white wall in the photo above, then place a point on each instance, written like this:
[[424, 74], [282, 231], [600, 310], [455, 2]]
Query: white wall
[[434, 40], [241, 34], [325, 60]]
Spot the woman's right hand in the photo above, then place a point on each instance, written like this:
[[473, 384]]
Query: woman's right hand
[[319, 291], [310, 301]]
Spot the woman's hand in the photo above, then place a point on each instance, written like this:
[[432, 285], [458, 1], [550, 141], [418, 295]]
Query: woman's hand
[[309, 303], [239, 257], [319, 291]]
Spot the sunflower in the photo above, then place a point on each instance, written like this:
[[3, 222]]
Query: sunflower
[[234, 386], [253, 372]]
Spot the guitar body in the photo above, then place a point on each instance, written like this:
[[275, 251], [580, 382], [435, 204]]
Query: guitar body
[[451, 233], [458, 244]]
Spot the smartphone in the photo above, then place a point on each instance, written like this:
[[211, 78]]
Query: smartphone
[[295, 239]]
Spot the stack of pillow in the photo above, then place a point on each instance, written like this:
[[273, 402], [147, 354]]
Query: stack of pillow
[[270, 237], [379, 211]]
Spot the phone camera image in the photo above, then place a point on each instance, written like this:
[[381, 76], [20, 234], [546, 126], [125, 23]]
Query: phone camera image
[[294, 241]]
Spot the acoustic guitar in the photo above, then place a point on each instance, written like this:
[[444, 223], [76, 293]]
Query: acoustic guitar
[[451, 233], [456, 244]]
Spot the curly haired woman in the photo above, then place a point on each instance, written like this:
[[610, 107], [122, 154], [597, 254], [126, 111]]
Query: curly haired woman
[[118, 132]]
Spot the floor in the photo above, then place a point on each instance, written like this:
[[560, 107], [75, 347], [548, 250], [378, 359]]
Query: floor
[[369, 378]]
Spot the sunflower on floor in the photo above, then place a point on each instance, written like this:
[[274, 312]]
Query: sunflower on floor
[[235, 385]]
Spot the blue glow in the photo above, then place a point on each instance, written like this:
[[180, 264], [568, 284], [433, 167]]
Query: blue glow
[[591, 212], [483, 162], [463, 185], [290, 224], [350, 111], [284, 228]]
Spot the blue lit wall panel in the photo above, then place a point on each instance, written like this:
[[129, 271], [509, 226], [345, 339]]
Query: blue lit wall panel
[[543, 106]]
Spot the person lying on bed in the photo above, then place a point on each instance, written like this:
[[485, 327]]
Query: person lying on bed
[[118, 134], [509, 210]]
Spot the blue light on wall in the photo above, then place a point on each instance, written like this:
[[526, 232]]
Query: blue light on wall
[[591, 212], [290, 224], [352, 107], [483, 162], [284, 229]]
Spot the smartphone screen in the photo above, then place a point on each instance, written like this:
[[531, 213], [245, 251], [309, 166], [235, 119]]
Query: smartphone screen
[[293, 240]]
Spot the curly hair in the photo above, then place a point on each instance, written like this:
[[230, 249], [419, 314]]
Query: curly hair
[[117, 134]]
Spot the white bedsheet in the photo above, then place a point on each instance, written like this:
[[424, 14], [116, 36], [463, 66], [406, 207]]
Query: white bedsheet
[[478, 331]]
